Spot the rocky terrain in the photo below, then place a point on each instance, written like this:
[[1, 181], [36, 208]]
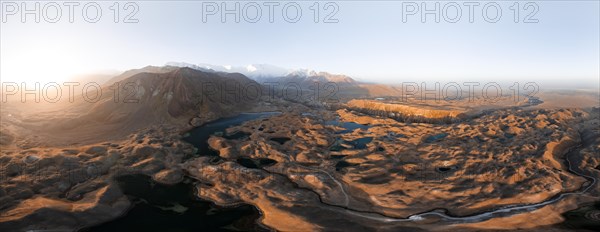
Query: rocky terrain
[[77, 182], [497, 160], [168, 95], [306, 168]]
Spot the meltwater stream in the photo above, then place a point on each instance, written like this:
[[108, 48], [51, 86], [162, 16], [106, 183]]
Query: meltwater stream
[[442, 213], [175, 208], [507, 210], [200, 135]]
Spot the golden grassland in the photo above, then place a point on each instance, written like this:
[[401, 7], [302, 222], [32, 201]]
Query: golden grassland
[[403, 112]]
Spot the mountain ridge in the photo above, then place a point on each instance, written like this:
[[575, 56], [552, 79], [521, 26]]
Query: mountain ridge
[[261, 72]]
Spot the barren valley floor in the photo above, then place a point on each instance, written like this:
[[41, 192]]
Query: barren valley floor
[[289, 166]]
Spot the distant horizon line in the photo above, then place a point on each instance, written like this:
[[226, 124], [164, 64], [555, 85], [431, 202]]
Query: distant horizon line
[[594, 80]]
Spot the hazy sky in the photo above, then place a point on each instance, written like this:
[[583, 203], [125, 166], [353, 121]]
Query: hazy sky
[[370, 42]]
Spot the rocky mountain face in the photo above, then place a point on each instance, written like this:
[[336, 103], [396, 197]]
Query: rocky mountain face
[[315, 86], [254, 71], [149, 96], [310, 76], [305, 169], [147, 69], [178, 94]]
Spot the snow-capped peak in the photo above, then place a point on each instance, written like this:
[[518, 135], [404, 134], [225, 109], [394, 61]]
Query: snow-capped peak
[[251, 68], [302, 73], [259, 71]]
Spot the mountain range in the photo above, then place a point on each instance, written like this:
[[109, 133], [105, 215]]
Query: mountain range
[[260, 72], [307, 79]]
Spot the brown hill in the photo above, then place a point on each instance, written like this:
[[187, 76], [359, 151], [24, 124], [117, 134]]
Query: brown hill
[[147, 69], [331, 87], [142, 100]]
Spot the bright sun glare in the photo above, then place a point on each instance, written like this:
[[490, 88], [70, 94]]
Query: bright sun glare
[[43, 65]]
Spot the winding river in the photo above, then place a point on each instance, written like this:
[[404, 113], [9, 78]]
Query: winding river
[[442, 213], [200, 214], [500, 212]]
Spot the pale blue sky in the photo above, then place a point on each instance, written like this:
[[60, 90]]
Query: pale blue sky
[[370, 43]]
